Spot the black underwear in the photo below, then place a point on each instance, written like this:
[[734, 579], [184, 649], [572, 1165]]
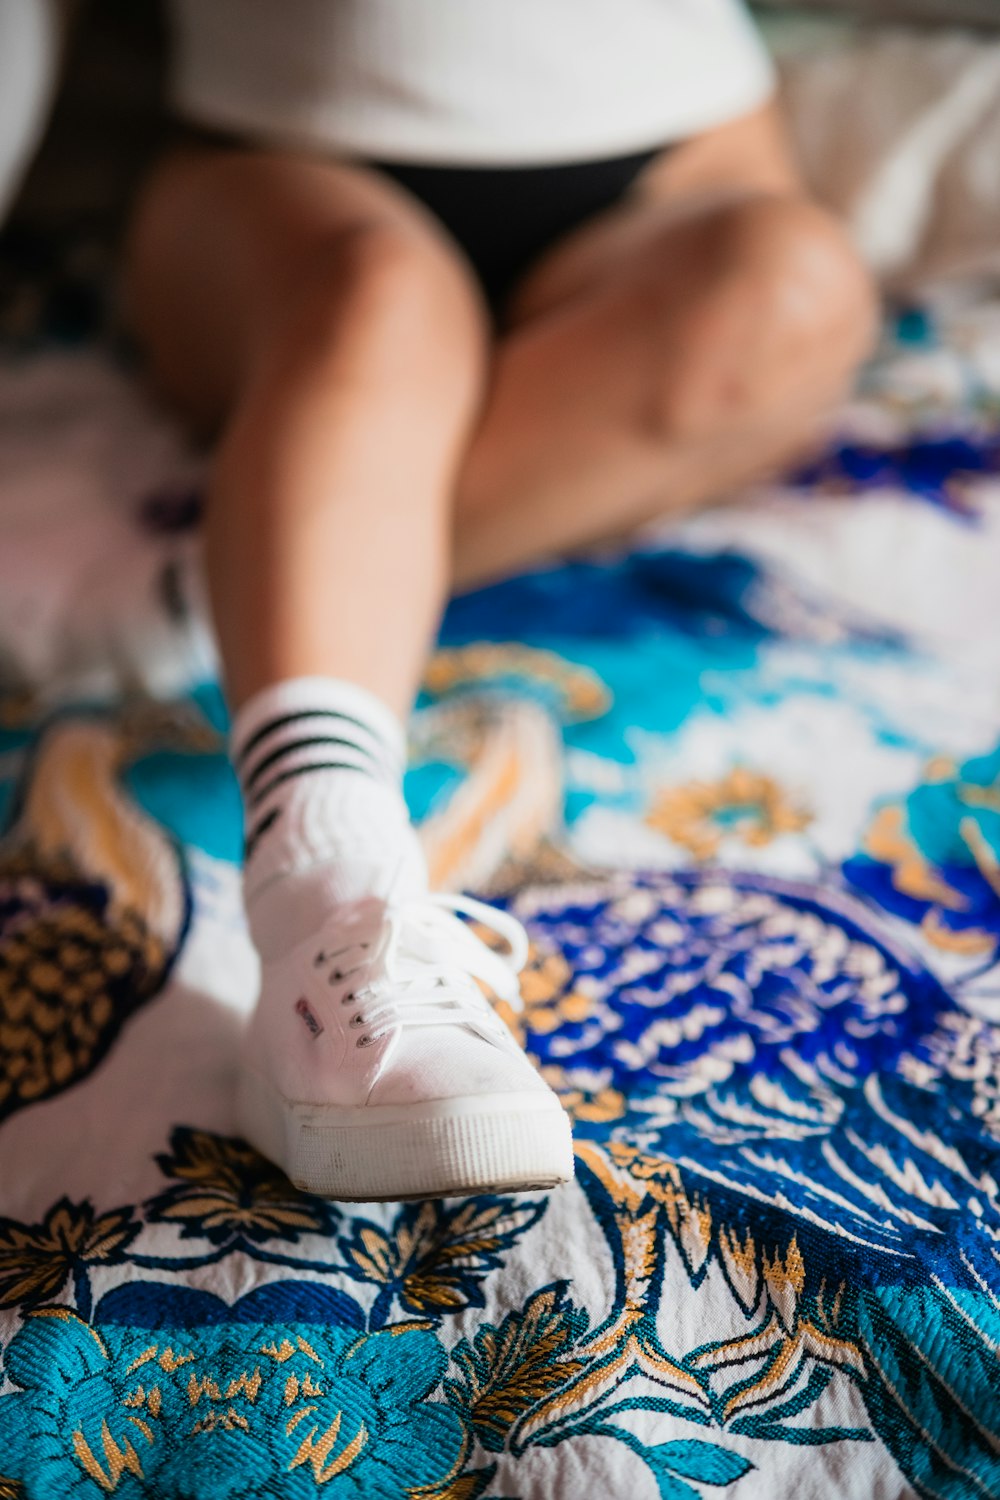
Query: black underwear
[[504, 217]]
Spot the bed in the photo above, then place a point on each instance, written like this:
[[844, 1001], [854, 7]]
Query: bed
[[741, 782]]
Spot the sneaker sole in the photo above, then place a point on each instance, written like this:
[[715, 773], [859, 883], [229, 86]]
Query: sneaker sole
[[387, 1153]]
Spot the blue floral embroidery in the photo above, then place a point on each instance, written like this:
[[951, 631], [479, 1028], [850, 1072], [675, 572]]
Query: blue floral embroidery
[[935, 859], [695, 979], [218, 1409]]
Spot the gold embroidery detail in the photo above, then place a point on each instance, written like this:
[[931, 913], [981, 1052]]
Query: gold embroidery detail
[[582, 694], [978, 846], [202, 1385], [759, 809], [169, 1361], [117, 1459], [280, 1352], [286, 1349], [294, 1387], [968, 943], [293, 1421], [315, 1451], [987, 797], [787, 1354], [249, 1384], [912, 875], [143, 1358]]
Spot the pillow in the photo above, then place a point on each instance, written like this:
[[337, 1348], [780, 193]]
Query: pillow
[[898, 129]]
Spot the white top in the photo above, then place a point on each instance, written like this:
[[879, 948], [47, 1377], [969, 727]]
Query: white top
[[487, 82]]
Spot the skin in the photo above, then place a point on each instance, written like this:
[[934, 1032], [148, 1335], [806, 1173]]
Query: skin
[[380, 443]]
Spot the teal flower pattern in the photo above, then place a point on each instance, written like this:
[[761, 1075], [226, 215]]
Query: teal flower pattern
[[221, 1410]]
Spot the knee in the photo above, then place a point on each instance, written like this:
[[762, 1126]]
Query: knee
[[786, 314], [809, 282], [396, 293]]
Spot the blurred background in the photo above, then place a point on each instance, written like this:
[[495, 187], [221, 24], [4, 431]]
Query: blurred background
[[895, 106]]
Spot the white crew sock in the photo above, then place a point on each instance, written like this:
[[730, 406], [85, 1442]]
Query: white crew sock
[[320, 763]]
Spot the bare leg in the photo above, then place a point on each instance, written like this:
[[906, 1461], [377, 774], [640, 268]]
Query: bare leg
[[330, 330], [690, 339]]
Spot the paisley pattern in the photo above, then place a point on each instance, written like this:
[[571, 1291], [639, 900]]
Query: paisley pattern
[[92, 910], [747, 806]]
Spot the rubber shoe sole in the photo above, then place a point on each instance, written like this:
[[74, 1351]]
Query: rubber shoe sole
[[386, 1153]]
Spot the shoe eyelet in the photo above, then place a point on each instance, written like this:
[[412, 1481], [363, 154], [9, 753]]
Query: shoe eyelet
[[357, 1021], [363, 1041], [348, 998]]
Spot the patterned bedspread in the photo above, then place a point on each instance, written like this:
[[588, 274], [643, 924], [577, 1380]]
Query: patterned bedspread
[[742, 784]]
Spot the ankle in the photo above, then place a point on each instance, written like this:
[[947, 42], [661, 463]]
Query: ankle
[[320, 763], [285, 909]]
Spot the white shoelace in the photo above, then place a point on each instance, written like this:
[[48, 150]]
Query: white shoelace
[[425, 962]]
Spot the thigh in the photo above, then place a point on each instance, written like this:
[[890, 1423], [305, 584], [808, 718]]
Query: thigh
[[748, 156], [714, 291], [223, 240]]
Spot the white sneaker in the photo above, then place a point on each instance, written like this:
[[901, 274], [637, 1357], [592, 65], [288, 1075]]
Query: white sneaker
[[375, 1067]]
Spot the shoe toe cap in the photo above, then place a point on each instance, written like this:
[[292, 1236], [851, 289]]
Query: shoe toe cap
[[429, 1065]]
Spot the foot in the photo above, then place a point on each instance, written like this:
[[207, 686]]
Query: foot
[[375, 1068]]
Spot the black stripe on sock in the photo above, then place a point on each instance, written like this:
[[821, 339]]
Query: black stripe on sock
[[254, 776], [257, 833], [322, 765], [305, 713]]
